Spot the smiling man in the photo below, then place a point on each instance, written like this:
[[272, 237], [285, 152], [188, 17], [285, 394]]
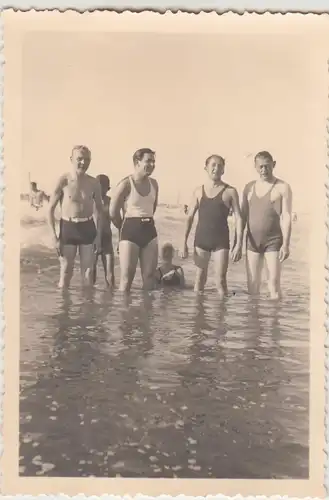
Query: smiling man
[[79, 195], [136, 196], [266, 211], [213, 202]]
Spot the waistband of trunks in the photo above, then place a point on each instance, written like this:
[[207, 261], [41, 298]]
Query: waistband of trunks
[[77, 219]]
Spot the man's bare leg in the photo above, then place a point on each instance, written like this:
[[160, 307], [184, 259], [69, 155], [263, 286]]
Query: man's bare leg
[[108, 266], [128, 254], [66, 265], [87, 261], [148, 261], [254, 263], [201, 260], [273, 266], [221, 265], [95, 269]]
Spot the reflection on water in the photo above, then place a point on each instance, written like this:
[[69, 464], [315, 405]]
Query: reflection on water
[[209, 389], [163, 385]]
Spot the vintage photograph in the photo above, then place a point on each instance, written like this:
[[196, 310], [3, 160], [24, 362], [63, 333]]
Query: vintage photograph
[[169, 192]]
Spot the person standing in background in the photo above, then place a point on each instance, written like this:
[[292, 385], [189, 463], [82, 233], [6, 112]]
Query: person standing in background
[[106, 251]]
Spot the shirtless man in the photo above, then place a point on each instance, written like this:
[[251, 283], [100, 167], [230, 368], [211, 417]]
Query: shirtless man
[[213, 201], [37, 196], [266, 211], [79, 195], [137, 197]]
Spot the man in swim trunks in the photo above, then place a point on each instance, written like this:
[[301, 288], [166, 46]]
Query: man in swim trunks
[[267, 213], [213, 202], [79, 195], [106, 254], [37, 196], [137, 196]]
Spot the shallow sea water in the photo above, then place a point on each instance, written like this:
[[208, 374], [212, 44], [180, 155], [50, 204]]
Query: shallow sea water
[[167, 384]]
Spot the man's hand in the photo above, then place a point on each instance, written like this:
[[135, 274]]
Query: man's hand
[[236, 253], [283, 253], [57, 245], [184, 251], [98, 245]]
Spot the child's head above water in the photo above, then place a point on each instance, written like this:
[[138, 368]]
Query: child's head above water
[[167, 252], [104, 183]]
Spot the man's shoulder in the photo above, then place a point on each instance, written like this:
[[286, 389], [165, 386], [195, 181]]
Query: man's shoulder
[[154, 182], [248, 186], [124, 182], [91, 179], [282, 185], [63, 180], [230, 189]]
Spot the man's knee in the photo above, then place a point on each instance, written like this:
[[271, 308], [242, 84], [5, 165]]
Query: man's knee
[[67, 266]]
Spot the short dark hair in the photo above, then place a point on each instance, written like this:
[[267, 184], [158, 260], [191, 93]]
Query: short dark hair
[[167, 247], [82, 148], [139, 154], [221, 159], [264, 154], [33, 184], [103, 179]]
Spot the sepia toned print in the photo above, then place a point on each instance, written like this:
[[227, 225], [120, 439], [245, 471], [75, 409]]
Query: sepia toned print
[[165, 198]]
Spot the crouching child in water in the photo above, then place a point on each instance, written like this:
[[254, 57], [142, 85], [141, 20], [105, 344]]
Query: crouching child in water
[[106, 250], [168, 274]]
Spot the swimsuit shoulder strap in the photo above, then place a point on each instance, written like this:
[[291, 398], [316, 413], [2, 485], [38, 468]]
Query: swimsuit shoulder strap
[[225, 187], [276, 180], [253, 188]]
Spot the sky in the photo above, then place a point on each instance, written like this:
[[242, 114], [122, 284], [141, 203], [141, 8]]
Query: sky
[[185, 96]]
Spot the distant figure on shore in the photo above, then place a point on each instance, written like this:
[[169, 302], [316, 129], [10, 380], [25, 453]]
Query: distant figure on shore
[[79, 196], [213, 201], [266, 211], [294, 218], [168, 274], [137, 196], [185, 209], [37, 196], [106, 251]]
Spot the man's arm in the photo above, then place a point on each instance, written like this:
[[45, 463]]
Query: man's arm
[[156, 187], [98, 207], [117, 202], [238, 218], [193, 207], [285, 220], [245, 206], [55, 198]]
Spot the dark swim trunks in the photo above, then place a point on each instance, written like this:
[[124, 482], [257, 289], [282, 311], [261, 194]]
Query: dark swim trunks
[[106, 244], [264, 230], [212, 231], [77, 233], [140, 231]]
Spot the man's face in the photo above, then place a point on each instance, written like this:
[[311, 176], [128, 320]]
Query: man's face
[[147, 164], [264, 167], [215, 168], [80, 161]]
